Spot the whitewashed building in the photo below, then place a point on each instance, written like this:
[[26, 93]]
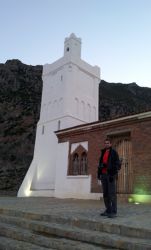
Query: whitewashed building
[[69, 98]]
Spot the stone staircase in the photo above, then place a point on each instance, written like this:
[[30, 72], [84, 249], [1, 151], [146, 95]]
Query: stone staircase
[[25, 230]]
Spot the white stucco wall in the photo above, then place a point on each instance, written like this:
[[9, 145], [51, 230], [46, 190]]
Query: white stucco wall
[[69, 98], [69, 186]]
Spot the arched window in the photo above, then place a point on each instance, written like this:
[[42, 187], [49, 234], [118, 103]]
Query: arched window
[[43, 130], [49, 110], [89, 113], [78, 161], [60, 106], [77, 106], [83, 164], [94, 113], [75, 164], [59, 124], [82, 110]]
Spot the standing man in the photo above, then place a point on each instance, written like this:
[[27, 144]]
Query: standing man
[[109, 164]]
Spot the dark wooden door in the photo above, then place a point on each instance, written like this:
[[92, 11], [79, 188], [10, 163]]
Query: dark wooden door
[[125, 177]]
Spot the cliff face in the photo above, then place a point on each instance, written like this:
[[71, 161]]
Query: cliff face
[[117, 100], [20, 98]]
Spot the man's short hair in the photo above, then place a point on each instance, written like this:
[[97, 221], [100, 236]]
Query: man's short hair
[[107, 139]]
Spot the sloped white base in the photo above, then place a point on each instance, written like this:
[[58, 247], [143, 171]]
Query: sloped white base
[[42, 193]]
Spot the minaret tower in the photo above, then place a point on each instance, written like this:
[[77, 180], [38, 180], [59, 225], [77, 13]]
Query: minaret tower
[[69, 98]]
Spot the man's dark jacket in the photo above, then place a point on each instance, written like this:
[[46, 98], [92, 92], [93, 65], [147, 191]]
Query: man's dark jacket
[[113, 164]]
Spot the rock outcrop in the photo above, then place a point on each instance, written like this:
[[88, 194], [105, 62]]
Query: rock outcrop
[[117, 100], [20, 98]]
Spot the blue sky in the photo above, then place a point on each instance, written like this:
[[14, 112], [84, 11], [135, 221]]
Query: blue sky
[[116, 34]]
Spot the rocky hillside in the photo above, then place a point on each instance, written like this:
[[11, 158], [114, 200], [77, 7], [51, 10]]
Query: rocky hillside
[[117, 100], [20, 97]]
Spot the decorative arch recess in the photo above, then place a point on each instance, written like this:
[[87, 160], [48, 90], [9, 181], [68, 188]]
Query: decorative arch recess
[[78, 162]]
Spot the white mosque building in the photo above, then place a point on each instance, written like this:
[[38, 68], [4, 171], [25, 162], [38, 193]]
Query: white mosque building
[[69, 98]]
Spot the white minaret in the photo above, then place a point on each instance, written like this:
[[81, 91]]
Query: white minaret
[[69, 98]]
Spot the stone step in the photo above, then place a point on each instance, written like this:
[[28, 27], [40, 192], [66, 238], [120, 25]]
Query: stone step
[[74, 233], [39, 240], [11, 244], [104, 225]]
